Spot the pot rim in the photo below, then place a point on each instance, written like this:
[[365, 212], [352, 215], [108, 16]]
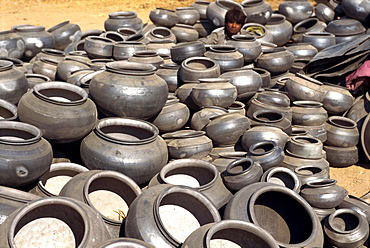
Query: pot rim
[[345, 211], [35, 131]]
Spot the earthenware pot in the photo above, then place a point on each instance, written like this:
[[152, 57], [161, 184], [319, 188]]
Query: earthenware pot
[[280, 28], [201, 118], [257, 11], [187, 15], [323, 193], [342, 156], [163, 17], [13, 82], [65, 33], [264, 133], [126, 98], [12, 44], [151, 205], [308, 113], [201, 6], [62, 111], [216, 11], [123, 19], [246, 45], [185, 32], [147, 57], [276, 60], [106, 192], [267, 153], [306, 25], [337, 99], [282, 176], [320, 40], [296, 11], [341, 132], [194, 68], [125, 49], [240, 173], [307, 173]]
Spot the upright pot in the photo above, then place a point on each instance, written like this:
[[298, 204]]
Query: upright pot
[[123, 19], [246, 45], [126, 145], [62, 111], [26, 155], [124, 94], [227, 56], [13, 82], [341, 132], [65, 33]]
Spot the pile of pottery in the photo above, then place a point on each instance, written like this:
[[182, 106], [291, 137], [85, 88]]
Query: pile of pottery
[[140, 135]]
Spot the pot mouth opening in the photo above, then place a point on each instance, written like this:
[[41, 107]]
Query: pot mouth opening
[[194, 173], [130, 68], [110, 193], [5, 65], [308, 104], [18, 133], [342, 122], [307, 140], [239, 166], [43, 210], [268, 116], [308, 170], [60, 93], [126, 130], [161, 32], [199, 63], [344, 221], [184, 199], [228, 4], [8, 111], [122, 14], [318, 183], [276, 19], [271, 202], [262, 148], [305, 25]]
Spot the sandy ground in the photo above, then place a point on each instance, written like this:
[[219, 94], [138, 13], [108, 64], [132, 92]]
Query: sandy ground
[[91, 14]]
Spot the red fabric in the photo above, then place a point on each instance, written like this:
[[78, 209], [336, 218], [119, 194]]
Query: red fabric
[[359, 76]]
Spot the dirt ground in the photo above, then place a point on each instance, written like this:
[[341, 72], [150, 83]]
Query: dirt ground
[[91, 14]]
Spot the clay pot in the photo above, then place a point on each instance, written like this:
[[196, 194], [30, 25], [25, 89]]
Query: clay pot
[[337, 99], [77, 224], [264, 133], [52, 182], [183, 93], [355, 10], [199, 211], [185, 32], [62, 111], [282, 176], [197, 174], [161, 46], [187, 15], [138, 150], [70, 65], [275, 60], [222, 159], [360, 205], [256, 106], [342, 156], [124, 242], [105, 192], [246, 45], [161, 33], [201, 6], [12, 44], [280, 28], [305, 147], [257, 11], [123, 19], [188, 144], [320, 40], [272, 118], [265, 76], [230, 233], [46, 67], [324, 13], [247, 82], [308, 113], [323, 193], [214, 92], [163, 17], [65, 33], [34, 79], [185, 50], [318, 132], [227, 56], [35, 38], [216, 11], [147, 57], [237, 107], [99, 47], [301, 87], [125, 49], [296, 11], [345, 29], [194, 68], [301, 51], [8, 111], [13, 83], [240, 173], [169, 73], [225, 130], [126, 98], [267, 153], [11, 199], [28, 155], [265, 201], [204, 28], [341, 132], [201, 118], [307, 173], [307, 25], [346, 228]]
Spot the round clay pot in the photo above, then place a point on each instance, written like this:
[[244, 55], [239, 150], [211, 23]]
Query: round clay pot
[[13, 83], [341, 132], [282, 176], [267, 153]]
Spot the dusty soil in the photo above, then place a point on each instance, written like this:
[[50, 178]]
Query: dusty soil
[[91, 14]]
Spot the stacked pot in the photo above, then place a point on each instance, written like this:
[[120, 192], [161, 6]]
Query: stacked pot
[[159, 132]]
